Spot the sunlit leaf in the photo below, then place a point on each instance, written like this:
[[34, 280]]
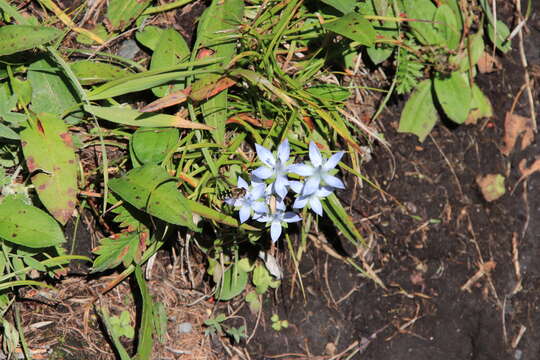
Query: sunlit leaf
[[419, 114]]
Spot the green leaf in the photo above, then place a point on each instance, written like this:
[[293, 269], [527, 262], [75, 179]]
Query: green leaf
[[419, 114], [233, 283], [145, 340], [17, 38], [149, 36], [23, 90], [422, 12], [343, 6], [52, 92], [125, 115], [501, 38], [378, 54], [217, 29], [341, 219], [7, 133], [170, 49], [151, 189], [93, 72], [121, 13], [48, 147], [113, 251], [454, 95], [329, 92], [98, 30], [446, 22], [480, 106], [150, 146], [261, 279], [355, 27], [27, 225]]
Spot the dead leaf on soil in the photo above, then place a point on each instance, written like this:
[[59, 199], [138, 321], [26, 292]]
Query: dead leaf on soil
[[527, 171], [488, 63], [515, 126], [491, 186]]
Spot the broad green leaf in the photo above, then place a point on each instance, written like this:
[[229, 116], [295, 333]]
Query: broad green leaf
[[422, 13], [233, 283], [211, 214], [419, 114], [446, 22], [355, 27], [27, 225], [171, 49], [113, 251], [22, 89], [454, 5], [480, 106], [343, 6], [50, 156], [500, 39], [261, 279], [151, 189], [99, 30], [465, 59], [51, 91], [149, 36], [217, 29], [16, 38], [93, 72], [125, 115], [150, 146], [378, 54], [121, 13], [7, 133], [454, 95], [146, 329]]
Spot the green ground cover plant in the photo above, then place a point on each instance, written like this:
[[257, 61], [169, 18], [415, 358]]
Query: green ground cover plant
[[240, 134]]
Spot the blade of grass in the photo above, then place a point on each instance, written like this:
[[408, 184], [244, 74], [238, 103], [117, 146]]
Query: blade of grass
[[144, 348]]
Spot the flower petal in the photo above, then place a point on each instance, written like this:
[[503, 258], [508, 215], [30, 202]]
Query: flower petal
[[316, 206], [315, 154], [333, 181], [241, 183], [280, 205], [283, 151], [257, 190], [324, 191], [259, 207], [296, 186], [263, 172], [280, 186], [301, 169], [275, 230], [245, 212], [265, 155], [311, 185], [333, 161], [300, 202], [290, 217]]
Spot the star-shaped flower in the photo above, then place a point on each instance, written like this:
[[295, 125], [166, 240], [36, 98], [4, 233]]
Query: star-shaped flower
[[319, 171], [279, 218], [252, 202], [274, 167], [313, 200]]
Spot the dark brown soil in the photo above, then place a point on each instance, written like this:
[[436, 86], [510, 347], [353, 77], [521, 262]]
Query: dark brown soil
[[429, 248]]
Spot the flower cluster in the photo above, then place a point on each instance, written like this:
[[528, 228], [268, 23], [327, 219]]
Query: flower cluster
[[264, 197]]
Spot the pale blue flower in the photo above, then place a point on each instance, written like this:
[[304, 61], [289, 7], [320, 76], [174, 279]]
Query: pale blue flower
[[274, 167], [318, 173], [313, 200], [253, 201], [278, 219]]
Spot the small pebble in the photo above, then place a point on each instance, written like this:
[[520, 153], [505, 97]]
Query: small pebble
[[128, 49], [185, 328], [518, 354]]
